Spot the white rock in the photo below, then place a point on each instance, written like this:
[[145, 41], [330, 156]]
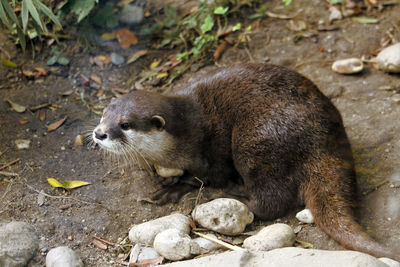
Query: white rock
[[389, 58], [131, 14], [172, 244], [390, 262], [63, 257], [134, 254], [335, 15], [348, 66], [223, 215], [22, 144], [145, 233], [168, 172], [271, 237], [18, 244], [284, 257], [206, 244], [305, 216], [147, 253]]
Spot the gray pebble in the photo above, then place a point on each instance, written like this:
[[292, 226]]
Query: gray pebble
[[117, 59], [173, 244], [63, 257], [131, 14]]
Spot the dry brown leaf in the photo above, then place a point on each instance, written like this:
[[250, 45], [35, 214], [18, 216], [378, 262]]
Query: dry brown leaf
[[39, 107], [22, 122], [118, 92], [96, 79], [16, 107], [147, 263], [98, 244], [41, 71], [134, 56], [123, 2], [42, 115], [138, 86], [220, 49], [54, 126], [28, 73], [99, 92], [126, 38]]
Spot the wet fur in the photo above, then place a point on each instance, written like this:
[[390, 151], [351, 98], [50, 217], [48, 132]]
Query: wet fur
[[267, 127]]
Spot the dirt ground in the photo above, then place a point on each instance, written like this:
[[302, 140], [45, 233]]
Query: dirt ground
[[369, 103]]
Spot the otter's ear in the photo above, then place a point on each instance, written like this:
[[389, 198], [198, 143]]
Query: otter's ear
[[158, 122]]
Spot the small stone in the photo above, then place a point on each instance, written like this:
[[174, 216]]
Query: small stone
[[145, 233], [172, 244], [390, 262], [348, 66], [22, 144], [223, 215], [274, 236], [147, 254], [134, 254], [79, 140], [206, 244], [63, 256], [168, 172], [41, 198], [117, 59], [131, 14], [335, 14], [389, 59], [305, 216], [18, 243]]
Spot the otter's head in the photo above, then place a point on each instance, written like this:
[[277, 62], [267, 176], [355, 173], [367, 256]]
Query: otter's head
[[134, 126]]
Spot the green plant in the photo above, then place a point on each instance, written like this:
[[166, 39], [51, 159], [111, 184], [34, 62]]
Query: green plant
[[29, 22], [57, 58]]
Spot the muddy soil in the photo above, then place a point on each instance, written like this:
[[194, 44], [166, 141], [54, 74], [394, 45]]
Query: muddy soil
[[368, 102]]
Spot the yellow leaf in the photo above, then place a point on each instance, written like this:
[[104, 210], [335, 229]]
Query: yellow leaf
[[108, 36], [8, 63], [66, 184], [162, 75], [123, 3], [155, 64], [17, 107]]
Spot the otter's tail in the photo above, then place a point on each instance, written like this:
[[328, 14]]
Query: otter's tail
[[332, 200]]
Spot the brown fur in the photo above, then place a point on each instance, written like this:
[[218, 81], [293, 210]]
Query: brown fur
[[272, 130]]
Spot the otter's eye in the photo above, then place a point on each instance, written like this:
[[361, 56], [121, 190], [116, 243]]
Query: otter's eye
[[124, 126]]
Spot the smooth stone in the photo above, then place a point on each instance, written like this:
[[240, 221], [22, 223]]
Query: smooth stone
[[63, 257], [390, 262], [335, 15], [168, 172], [271, 237], [389, 59], [117, 59], [147, 254], [305, 216], [145, 233], [348, 66], [223, 215], [18, 244], [206, 244], [284, 257], [173, 244], [131, 14]]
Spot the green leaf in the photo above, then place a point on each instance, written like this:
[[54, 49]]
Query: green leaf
[[221, 10], [10, 12], [55, 52], [47, 12], [63, 61], [287, 2], [52, 60], [335, 2], [256, 16], [3, 16], [8, 63], [34, 13], [366, 20], [171, 14], [21, 37], [179, 56], [24, 15], [81, 7], [237, 27], [191, 22], [207, 25]]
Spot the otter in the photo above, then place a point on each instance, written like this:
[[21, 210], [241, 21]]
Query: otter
[[263, 126]]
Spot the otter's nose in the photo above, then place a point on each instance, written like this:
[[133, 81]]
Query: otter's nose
[[100, 135]]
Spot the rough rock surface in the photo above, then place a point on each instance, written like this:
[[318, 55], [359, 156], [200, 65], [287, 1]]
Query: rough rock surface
[[389, 58], [223, 215], [206, 244], [145, 233], [273, 236], [63, 256], [18, 244], [173, 244], [284, 257]]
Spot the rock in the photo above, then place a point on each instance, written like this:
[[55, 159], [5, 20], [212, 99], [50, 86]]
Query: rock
[[173, 244], [335, 14], [18, 244], [206, 244], [131, 14], [117, 59], [389, 59], [390, 262], [348, 66], [63, 257], [223, 215], [305, 216], [134, 254], [168, 172], [273, 236], [22, 144], [147, 253], [284, 257], [145, 233]]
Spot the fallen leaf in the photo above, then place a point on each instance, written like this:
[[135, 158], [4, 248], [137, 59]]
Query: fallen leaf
[[278, 16], [79, 140], [365, 20], [220, 49], [22, 122], [106, 59], [108, 36], [223, 32], [138, 86], [126, 38], [118, 92], [64, 207], [41, 71], [155, 64], [16, 107], [66, 184], [98, 244], [98, 62], [96, 79], [8, 63], [54, 126], [123, 3], [162, 75], [39, 107], [99, 92], [42, 115], [67, 93], [148, 263], [134, 56], [304, 244], [147, 14], [28, 73]]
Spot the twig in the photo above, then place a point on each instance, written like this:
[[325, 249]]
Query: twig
[[249, 54], [40, 106], [10, 174], [222, 243], [200, 191], [104, 241], [10, 163]]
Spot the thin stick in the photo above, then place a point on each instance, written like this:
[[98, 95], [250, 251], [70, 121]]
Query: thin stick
[[11, 174], [9, 164], [40, 106], [104, 241], [222, 243]]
